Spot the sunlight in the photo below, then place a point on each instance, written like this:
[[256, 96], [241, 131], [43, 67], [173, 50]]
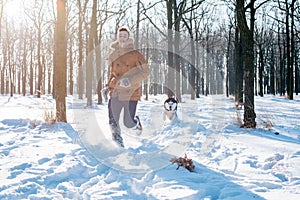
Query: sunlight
[[13, 11]]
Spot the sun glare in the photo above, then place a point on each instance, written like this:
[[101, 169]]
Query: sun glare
[[13, 11]]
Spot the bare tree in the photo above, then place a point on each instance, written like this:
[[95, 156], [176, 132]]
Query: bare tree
[[93, 42], [1, 59], [191, 10], [1, 14], [137, 32], [178, 15], [292, 51], [31, 65], [286, 46], [24, 63], [81, 14], [104, 15], [36, 15], [229, 61], [71, 43], [170, 61], [71, 65]]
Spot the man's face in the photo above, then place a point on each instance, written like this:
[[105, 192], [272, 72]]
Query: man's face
[[123, 36]]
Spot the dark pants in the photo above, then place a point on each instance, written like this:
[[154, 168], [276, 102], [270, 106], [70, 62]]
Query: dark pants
[[114, 110]]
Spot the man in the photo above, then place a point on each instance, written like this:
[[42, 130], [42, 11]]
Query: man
[[128, 68]]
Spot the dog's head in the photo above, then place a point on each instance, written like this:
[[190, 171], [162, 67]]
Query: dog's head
[[170, 104]]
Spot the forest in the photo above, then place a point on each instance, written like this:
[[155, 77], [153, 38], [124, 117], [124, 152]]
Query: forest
[[238, 48]]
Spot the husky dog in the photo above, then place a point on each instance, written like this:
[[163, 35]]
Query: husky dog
[[170, 108]]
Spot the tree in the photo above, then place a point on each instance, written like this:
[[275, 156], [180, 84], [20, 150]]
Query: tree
[[189, 24], [36, 15], [290, 76], [31, 67], [60, 62], [292, 51], [171, 75], [229, 65], [71, 65], [1, 68], [137, 32], [93, 42], [104, 16], [286, 44], [81, 13], [24, 63], [247, 43], [176, 59]]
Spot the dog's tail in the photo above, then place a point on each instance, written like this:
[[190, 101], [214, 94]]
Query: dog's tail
[[174, 160]]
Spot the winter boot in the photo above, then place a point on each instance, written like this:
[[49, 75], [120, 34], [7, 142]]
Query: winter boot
[[116, 134], [138, 126]]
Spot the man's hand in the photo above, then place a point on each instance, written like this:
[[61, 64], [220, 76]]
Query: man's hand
[[104, 92]]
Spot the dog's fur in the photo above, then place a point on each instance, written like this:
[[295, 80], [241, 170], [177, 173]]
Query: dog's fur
[[170, 108], [183, 162]]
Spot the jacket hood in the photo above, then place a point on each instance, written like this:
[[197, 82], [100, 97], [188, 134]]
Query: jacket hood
[[117, 51], [128, 44]]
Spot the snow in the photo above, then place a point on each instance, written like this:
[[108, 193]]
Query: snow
[[78, 159]]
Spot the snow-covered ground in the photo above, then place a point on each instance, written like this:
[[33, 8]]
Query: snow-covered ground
[[78, 160]]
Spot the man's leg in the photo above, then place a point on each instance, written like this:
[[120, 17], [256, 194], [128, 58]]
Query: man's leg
[[114, 110], [129, 114]]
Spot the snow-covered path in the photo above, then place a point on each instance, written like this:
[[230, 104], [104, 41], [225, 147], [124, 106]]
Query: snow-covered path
[[78, 160]]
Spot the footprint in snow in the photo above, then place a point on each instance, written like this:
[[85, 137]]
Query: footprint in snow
[[16, 170]]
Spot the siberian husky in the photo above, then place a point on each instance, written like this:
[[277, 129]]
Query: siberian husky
[[170, 109]]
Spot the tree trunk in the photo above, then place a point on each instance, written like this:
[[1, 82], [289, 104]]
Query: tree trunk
[[193, 58], [197, 65], [238, 66], [137, 32], [228, 66], [146, 86], [198, 75], [293, 51], [290, 76], [24, 68], [71, 82], [99, 73], [7, 83], [91, 54], [49, 80], [170, 61], [281, 84], [11, 71], [272, 72], [1, 69], [40, 68], [60, 62], [31, 70], [80, 51], [177, 63], [248, 61], [155, 79], [207, 67], [297, 74], [260, 71]]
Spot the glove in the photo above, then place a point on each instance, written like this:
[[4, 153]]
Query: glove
[[125, 82], [104, 92]]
